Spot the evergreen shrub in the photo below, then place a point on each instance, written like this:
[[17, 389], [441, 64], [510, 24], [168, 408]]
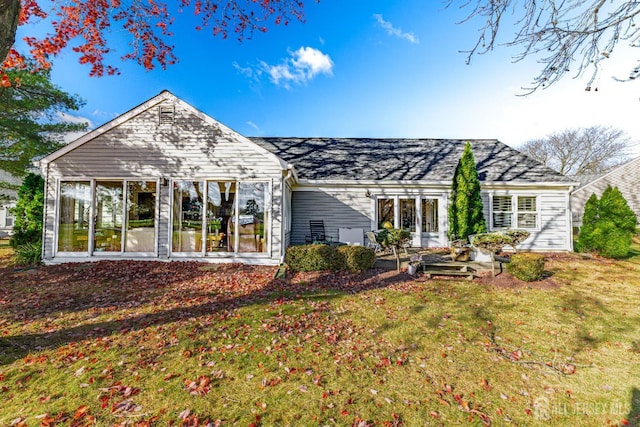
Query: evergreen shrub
[[357, 258], [608, 225], [526, 266], [466, 211], [325, 257]]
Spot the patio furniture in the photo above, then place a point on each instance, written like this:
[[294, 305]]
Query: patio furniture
[[318, 234], [373, 241], [351, 236]]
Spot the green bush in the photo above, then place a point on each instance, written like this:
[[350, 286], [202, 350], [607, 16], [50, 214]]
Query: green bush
[[313, 258], [28, 253], [357, 258], [608, 225], [326, 257], [526, 266], [27, 227]]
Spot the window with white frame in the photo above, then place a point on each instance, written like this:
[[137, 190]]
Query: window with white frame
[[527, 212], [502, 211], [514, 212]]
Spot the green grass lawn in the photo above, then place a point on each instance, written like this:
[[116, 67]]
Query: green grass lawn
[[128, 343]]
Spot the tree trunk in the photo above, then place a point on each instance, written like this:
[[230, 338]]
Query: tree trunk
[[9, 12]]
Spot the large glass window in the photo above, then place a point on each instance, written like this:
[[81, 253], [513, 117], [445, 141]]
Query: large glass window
[[74, 216], [187, 216], [429, 215], [141, 217], [252, 216], [385, 213], [107, 235], [502, 211], [408, 214], [220, 209]]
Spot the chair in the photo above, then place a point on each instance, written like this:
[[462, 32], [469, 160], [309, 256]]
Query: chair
[[317, 232], [372, 241]]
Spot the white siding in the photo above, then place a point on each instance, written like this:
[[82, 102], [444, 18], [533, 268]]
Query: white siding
[[190, 148]]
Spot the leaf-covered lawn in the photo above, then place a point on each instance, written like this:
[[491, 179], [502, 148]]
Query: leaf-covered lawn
[[186, 344]]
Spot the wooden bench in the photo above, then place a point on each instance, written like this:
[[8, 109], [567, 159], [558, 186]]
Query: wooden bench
[[460, 269]]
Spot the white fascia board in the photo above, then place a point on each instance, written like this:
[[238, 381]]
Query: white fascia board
[[534, 185], [164, 95], [360, 183], [484, 185]]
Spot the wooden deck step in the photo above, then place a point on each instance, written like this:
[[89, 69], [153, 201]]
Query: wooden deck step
[[448, 272]]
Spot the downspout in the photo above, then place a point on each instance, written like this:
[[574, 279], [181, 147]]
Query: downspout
[[571, 188], [284, 210], [44, 210]]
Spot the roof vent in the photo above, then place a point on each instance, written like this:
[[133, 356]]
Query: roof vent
[[166, 115]]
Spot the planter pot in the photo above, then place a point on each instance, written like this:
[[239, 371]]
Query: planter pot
[[479, 256], [412, 268]]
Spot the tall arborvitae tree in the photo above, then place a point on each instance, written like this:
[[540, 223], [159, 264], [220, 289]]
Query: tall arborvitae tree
[[27, 227], [608, 225], [466, 211]]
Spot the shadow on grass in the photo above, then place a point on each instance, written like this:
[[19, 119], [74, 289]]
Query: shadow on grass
[[634, 413], [214, 295]]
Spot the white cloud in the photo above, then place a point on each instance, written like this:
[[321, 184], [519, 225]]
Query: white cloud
[[253, 125], [70, 118], [300, 67], [396, 32]]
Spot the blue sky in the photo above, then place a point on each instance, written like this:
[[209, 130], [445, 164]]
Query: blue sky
[[360, 69]]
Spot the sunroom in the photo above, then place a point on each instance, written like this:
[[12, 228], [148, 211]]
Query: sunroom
[[140, 188]]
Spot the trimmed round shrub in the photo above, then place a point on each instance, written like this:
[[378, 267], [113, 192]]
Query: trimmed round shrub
[[357, 258], [325, 257], [313, 258], [526, 266]]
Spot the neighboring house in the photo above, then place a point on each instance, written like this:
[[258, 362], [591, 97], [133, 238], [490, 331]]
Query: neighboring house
[[9, 195], [166, 181], [626, 177], [6, 218]]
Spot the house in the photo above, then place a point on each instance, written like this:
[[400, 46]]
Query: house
[[8, 196], [626, 177], [165, 181]]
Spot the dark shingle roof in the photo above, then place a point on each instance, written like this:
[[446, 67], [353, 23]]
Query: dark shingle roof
[[393, 159]]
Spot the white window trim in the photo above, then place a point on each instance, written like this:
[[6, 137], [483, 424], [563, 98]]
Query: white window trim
[[235, 253], [514, 210], [90, 249]]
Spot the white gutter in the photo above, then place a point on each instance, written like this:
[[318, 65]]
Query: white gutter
[[381, 183], [284, 210]]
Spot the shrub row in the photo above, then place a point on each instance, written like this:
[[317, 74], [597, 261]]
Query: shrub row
[[526, 266], [325, 257]]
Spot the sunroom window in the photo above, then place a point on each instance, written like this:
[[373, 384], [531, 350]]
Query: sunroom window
[[123, 212]]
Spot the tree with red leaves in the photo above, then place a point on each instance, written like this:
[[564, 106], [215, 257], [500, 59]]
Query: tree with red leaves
[[82, 26]]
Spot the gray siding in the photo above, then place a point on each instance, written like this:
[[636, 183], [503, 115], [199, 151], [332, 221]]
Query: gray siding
[[338, 209], [190, 148], [625, 177]]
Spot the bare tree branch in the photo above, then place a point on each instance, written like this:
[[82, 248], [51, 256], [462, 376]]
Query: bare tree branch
[[566, 36], [581, 151]]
